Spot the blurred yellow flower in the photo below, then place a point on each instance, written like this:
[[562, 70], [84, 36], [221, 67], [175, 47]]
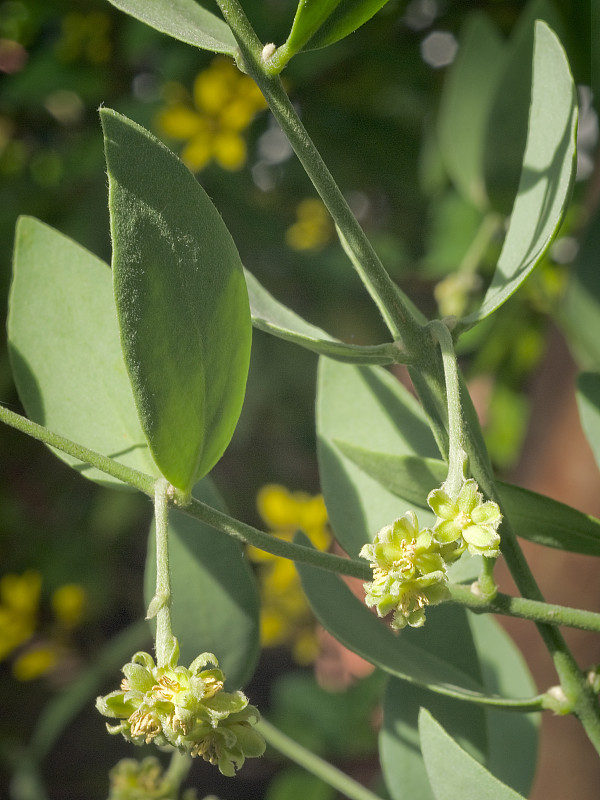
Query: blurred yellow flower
[[19, 601], [286, 618], [212, 122], [313, 228], [85, 36], [20, 617], [35, 662], [68, 604]]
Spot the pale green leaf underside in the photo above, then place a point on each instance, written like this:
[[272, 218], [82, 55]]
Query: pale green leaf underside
[[507, 745], [181, 300], [547, 175], [65, 350], [453, 773], [215, 598], [271, 316], [185, 20], [446, 635], [533, 516], [465, 105], [368, 407]]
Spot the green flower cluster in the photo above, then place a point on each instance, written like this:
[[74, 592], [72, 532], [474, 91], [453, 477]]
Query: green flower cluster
[[410, 566], [185, 708], [142, 780], [409, 572]]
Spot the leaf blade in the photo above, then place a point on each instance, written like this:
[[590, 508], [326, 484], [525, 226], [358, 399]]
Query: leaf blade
[[534, 516], [185, 20], [61, 296], [453, 773], [181, 301], [547, 175]]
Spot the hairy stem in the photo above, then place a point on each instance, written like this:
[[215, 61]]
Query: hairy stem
[[397, 311]]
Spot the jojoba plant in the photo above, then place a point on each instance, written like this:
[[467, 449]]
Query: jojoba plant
[[151, 404]]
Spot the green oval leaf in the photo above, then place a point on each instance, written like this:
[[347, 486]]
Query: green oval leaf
[[347, 16], [533, 516], [182, 303], [368, 407], [453, 773], [69, 378], [319, 23], [448, 636], [185, 20], [465, 106], [547, 175], [215, 599], [505, 135], [508, 744]]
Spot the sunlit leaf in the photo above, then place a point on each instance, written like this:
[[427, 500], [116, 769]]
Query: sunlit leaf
[[214, 594], [185, 20], [65, 349], [547, 175], [505, 135], [453, 773], [182, 303], [465, 105], [319, 23]]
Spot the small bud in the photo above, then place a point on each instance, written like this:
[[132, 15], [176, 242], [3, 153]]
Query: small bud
[[268, 51]]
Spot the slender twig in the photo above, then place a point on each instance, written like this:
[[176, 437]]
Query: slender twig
[[314, 763]]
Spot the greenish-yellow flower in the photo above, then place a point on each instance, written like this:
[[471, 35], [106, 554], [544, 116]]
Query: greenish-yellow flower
[[409, 572], [468, 518], [184, 707]]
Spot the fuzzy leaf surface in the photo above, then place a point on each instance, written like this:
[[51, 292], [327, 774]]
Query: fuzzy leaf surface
[[65, 350], [181, 300], [185, 20], [367, 407]]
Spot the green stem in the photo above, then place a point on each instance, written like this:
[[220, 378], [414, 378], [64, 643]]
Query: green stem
[[89, 458], [523, 608], [178, 771], [271, 544], [457, 456], [314, 764], [160, 606], [397, 311], [194, 508]]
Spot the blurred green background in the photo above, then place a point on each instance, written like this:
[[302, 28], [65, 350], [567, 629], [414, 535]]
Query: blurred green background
[[371, 104]]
